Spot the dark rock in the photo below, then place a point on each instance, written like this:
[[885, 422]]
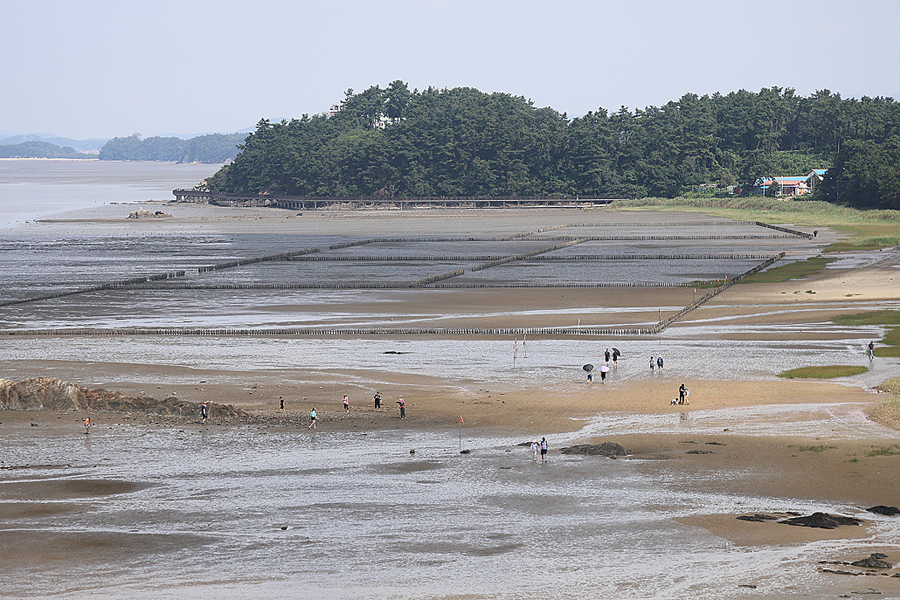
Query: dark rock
[[873, 562], [143, 213], [821, 521], [699, 452], [884, 510], [610, 449], [714, 444], [757, 518]]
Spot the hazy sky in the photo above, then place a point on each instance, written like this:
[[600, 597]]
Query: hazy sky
[[100, 68]]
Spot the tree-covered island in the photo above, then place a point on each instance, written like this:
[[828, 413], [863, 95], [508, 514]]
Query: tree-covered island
[[394, 142], [211, 148]]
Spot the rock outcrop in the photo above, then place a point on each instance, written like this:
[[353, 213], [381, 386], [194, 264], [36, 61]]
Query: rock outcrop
[[143, 213], [874, 561], [41, 393], [44, 393], [610, 449], [821, 520], [889, 511]]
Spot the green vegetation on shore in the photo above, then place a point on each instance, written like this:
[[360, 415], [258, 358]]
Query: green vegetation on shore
[[828, 372], [394, 142], [866, 229], [890, 319], [794, 270], [887, 412], [890, 386], [892, 450]]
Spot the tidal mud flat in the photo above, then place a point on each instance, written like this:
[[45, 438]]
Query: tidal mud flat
[[348, 511]]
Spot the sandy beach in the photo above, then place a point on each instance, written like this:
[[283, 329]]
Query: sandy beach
[[833, 467]]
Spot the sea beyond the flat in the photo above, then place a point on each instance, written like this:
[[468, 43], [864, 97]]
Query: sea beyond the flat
[[35, 188]]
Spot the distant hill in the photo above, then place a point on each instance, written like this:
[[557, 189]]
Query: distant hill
[[34, 149], [212, 148], [93, 144]]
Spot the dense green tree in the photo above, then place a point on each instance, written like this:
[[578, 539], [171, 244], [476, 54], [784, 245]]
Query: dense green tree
[[865, 173], [463, 142]]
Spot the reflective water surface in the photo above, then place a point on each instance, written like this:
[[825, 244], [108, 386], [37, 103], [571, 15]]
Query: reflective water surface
[[268, 512]]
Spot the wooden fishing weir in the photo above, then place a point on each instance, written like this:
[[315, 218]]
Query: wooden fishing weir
[[407, 331], [170, 280]]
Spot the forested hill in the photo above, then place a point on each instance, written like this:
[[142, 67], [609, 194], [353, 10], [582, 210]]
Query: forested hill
[[213, 148], [463, 142], [35, 149]]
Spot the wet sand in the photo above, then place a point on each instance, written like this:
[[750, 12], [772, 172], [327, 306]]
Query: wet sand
[[832, 470]]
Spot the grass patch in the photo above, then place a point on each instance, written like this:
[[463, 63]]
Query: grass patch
[[867, 229], [875, 317], [704, 285], [892, 450], [892, 337], [815, 448], [800, 269], [891, 385], [887, 318], [823, 372], [887, 412]]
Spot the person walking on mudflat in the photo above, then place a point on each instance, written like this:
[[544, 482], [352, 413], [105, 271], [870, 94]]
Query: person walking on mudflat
[[682, 395], [544, 448], [652, 364], [87, 425], [534, 450], [312, 419], [204, 412], [402, 408], [346, 404], [606, 356]]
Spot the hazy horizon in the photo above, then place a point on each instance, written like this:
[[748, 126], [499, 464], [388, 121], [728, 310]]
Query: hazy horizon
[[104, 69]]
